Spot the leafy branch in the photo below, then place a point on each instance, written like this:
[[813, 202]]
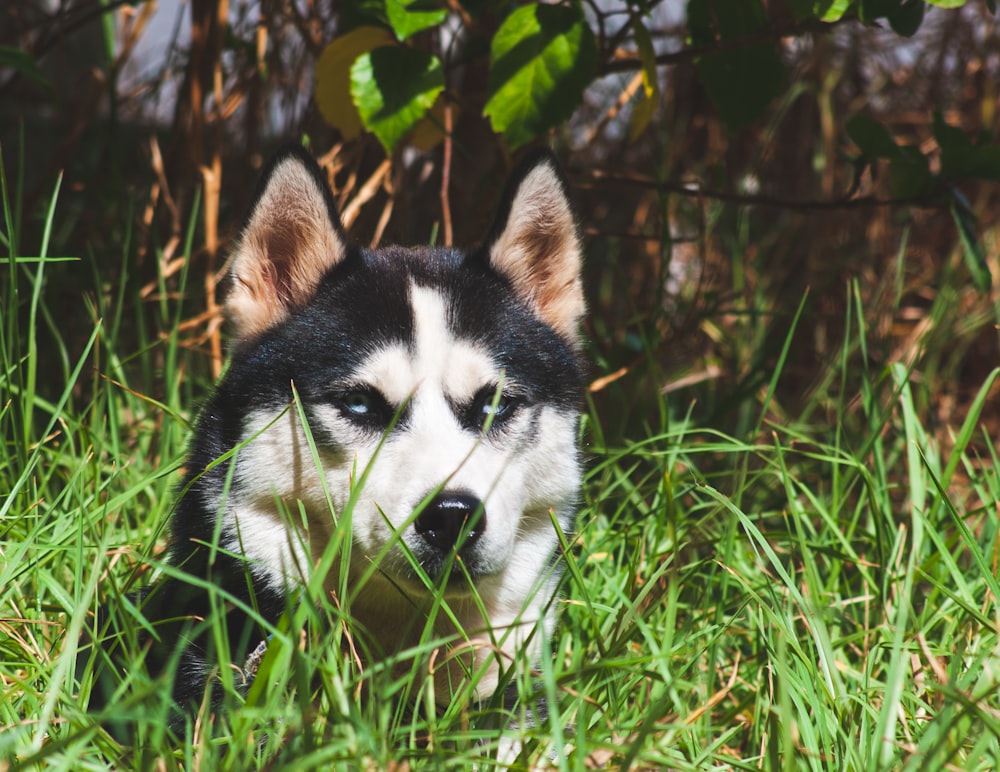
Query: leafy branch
[[772, 34], [387, 74]]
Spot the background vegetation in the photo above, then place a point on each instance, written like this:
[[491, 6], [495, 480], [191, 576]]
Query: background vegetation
[[788, 548]]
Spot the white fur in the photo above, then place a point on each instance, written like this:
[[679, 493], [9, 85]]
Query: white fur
[[517, 478]]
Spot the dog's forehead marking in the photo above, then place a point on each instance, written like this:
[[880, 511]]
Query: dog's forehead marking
[[459, 368]]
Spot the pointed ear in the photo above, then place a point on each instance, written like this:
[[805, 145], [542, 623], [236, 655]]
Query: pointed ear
[[292, 237], [534, 245]]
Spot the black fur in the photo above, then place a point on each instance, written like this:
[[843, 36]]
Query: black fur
[[359, 306]]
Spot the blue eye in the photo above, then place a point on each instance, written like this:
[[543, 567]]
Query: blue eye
[[358, 402], [501, 408], [363, 406], [489, 410]]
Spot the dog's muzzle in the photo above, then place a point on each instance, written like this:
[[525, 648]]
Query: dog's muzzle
[[452, 521]]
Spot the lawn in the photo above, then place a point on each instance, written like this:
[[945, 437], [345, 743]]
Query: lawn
[[813, 590]]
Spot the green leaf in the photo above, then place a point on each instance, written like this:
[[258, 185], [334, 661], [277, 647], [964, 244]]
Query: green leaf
[[743, 80], [949, 136], [645, 108], [393, 87], [643, 112], [909, 173], [541, 59], [741, 83], [832, 10], [986, 163], [972, 247], [647, 54], [24, 63], [957, 151], [802, 9], [907, 18], [408, 17], [947, 3], [872, 137], [712, 20], [870, 10], [960, 158], [333, 76]]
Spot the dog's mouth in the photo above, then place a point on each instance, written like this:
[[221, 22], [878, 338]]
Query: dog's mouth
[[449, 544], [455, 572], [425, 570]]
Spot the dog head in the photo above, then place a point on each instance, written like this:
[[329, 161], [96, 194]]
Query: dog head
[[432, 394]]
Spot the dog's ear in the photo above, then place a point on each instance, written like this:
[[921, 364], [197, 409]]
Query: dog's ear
[[292, 237], [535, 245]]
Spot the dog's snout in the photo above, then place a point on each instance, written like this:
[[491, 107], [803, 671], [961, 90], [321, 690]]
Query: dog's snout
[[443, 521]]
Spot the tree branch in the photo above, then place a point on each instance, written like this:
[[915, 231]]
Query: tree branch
[[764, 35], [593, 179]]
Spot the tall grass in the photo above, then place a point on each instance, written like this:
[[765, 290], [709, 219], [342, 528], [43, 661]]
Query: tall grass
[[819, 592]]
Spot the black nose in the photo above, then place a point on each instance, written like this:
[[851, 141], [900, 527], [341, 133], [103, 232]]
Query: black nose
[[443, 519]]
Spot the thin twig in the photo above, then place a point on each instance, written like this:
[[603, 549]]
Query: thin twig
[[651, 237], [446, 176], [627, 93], [367, 192], [212, 174], [692, 190], [70, 20], [764, 35], [390, 184]]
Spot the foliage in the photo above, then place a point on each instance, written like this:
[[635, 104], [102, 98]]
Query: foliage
[[799, 597], [788, 538], [543, 56], [24, 63], [393, 88], [740, 80]]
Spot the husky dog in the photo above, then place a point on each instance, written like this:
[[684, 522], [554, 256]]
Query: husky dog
[[430, 394]]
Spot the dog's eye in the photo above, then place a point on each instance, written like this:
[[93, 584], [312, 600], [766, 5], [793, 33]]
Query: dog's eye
[[502, 407], [488, 410], [359, 403], [365, 406]]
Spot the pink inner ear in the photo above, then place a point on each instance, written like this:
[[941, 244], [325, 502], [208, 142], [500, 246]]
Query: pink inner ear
[[539, 252], [291, 240], [280, 245]]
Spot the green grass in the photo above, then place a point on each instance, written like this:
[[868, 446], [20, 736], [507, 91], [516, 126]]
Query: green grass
[[818, 593]]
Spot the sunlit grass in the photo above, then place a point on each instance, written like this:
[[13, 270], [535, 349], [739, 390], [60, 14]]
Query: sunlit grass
[[815, 594]]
